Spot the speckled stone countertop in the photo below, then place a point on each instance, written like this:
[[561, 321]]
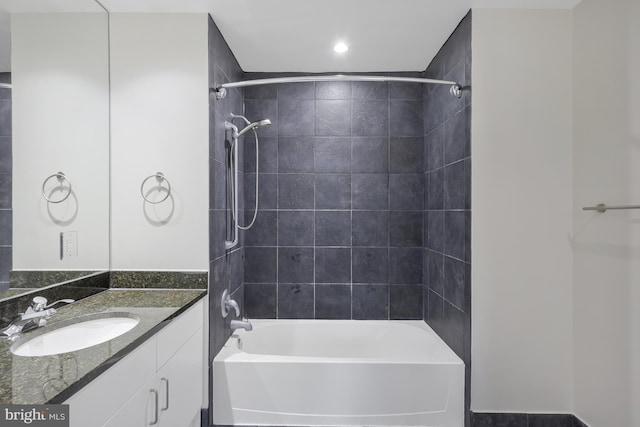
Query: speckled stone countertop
[[53, 379]]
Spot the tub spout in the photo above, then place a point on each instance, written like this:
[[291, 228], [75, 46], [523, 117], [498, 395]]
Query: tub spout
[[241, 324]]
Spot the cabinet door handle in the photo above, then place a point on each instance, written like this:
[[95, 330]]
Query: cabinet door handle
[[166, 395], [155, 420]]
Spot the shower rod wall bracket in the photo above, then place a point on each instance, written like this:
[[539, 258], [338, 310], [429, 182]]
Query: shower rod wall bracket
[[456, 90], [221, 91]]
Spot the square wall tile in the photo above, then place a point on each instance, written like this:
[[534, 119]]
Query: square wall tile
[[455, 281], [405, 228], [455, 323], [5, 263], [333, 155], [370, 228], [435, 312], [435, 223], [458, 136], [405, 265], [217, 185], [370, 155], [267, 153], [333, 228], [370, 265], [300, 117], [455, 185], [6, 193], [218, 230], [5, 117], [333, 265], [260, 265], [434, 149], [406, 155], [435, 190], [267, 191], [370, 191], [435, 272], [295, 265], [264, 231], [333, 191], [405, 302], [296, 191], [295, 154], [333, 118], [406, 118], [370, 302], [370, 118], [295, 228], [406, 192], [6, 151], [333, 302], [454, 234], [295, 301], [260, 300]]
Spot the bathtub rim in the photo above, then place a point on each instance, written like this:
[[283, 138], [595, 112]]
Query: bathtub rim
[[230, 353]]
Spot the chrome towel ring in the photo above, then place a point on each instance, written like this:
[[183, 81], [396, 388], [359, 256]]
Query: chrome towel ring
[[61, 179], [159, 176]]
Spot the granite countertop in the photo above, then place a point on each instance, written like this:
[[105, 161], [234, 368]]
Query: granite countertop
[[53, 379]]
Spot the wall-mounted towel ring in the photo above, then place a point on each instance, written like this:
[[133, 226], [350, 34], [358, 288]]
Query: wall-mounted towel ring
[[159, 176], [61, 179]]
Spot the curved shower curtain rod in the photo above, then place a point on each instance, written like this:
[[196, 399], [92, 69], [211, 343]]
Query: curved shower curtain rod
[[221, 91]]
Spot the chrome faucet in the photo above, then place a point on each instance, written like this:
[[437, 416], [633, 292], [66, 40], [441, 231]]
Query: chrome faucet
[[241, 324], [230, 303], [34, 317], [226, 303]]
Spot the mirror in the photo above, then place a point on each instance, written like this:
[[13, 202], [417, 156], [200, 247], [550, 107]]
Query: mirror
[[54, 143]]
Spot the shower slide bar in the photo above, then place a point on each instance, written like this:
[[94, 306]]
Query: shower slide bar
[[221, 91], [602, 208]]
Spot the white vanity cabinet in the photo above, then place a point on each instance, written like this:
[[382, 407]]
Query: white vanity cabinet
[[158, 384]]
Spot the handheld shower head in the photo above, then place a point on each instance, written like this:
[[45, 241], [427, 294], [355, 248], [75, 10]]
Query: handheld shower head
[[254, 125]]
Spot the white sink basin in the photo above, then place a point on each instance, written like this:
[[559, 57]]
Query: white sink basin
[[75, 334]]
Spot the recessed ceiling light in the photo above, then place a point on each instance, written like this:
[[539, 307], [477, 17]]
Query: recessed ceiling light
[[340, 47]]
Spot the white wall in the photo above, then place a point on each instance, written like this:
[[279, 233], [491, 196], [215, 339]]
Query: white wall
[[522, 201], [60, 123], [159, 123], [606, 153]]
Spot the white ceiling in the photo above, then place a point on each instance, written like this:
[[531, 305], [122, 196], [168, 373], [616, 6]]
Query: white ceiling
[[298, 35]]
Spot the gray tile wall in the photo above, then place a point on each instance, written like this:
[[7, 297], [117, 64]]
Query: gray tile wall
[[339, 231], [226, 267], [6, 235], [447, 199]]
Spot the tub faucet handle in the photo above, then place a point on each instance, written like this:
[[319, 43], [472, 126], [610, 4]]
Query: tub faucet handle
[[227, 303]]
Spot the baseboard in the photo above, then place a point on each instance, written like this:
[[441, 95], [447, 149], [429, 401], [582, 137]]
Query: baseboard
[[481, 419]]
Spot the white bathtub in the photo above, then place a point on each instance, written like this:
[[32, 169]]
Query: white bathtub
[[338, 372]]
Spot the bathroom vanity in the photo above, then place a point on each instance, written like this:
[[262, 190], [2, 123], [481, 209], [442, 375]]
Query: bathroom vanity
[[151, 375]]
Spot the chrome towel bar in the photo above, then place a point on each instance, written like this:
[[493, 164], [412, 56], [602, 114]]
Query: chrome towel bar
[[602, 208]]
